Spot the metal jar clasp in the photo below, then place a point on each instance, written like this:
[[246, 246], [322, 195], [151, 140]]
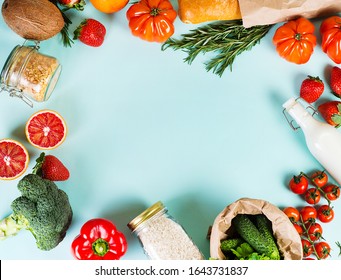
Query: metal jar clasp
[[14, 92], [291, 121]]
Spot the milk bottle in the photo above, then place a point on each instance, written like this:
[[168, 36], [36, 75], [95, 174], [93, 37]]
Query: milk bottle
[[322, 139]]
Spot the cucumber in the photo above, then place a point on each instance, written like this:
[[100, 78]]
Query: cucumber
[[228, 244], [249, 232], [265, 229]]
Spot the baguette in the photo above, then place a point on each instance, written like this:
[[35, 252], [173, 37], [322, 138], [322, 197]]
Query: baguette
[[197, 11]]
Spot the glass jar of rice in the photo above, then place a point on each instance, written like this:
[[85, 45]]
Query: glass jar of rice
[[162, 237], [29, 75]]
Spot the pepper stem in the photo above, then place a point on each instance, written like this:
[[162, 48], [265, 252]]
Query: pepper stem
[[100, 247]]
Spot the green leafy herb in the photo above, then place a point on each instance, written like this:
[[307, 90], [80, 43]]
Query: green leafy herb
[[67, 41], [256, 256], [227, 39], [338, 245], [243, 251], [246, 252]]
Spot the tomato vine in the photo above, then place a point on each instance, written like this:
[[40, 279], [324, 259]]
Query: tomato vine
[[305, 220]]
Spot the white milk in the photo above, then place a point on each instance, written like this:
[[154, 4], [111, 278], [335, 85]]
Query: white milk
[[323, 139]]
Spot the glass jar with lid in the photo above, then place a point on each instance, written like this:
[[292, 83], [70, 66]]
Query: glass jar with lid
[[29, 75], [162, 237]]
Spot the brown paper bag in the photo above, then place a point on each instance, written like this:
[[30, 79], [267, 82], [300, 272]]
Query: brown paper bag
[[288, 240], [262, 12]]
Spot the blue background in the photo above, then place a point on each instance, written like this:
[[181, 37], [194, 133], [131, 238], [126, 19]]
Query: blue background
[[144, 126]]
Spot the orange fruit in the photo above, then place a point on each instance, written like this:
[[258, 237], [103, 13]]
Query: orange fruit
[[46, 129], [14, 159], [109, 6]]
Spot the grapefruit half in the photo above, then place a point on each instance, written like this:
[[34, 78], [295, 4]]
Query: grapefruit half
[[14, 159], [46, 129]]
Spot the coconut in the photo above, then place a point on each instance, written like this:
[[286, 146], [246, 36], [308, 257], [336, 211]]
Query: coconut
[[33, 19]]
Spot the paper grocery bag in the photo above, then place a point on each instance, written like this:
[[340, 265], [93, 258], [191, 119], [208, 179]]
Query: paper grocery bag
[[262, 12], [287, 238]]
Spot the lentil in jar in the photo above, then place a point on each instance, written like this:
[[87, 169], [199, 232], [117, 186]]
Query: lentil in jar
[[30, 73]]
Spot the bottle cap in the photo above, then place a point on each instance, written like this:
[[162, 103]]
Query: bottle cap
[[145, 215], [289, 103]]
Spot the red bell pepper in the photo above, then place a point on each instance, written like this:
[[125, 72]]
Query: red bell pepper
[[99, 240]]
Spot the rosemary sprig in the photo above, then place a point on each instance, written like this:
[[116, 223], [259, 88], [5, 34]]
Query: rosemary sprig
[[227, 39], [66, 39]]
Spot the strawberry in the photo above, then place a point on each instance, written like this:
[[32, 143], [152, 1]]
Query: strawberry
[[51, 168], [335, 81], [331, 112], [72, 4], [311, 89], [91, 32]]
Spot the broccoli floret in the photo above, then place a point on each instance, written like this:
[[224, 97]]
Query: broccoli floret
[[43, 209]]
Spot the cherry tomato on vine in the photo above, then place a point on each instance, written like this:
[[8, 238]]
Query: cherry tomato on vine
[[315, 231], [307, 248], [332, 191], [298, 228], [308, 214], [292, 213], [312, 196], [322, 250], [319, 178], [325, 213], [298, 184]]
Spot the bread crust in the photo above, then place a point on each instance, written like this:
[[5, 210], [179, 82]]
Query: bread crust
[[197, 11]]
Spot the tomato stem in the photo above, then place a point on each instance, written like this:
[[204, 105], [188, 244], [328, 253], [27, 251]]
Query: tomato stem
[[154, 12], [317, 187], [298, 36], [305, 230]]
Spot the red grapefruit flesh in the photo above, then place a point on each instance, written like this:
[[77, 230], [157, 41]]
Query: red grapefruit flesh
[[46, 129], [14, 159]]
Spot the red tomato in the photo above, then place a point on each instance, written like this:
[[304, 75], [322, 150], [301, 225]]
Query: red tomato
[[322, 250], [298, 228], [308, 214], [298, 184], [152, 20], [295, 40], [325, 213], [319, 178], [331, 191], [312, 196], [307, 248], [330, 30], [292, 213], [315, 231]]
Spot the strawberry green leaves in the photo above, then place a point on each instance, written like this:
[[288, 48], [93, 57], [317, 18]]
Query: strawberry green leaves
[[51, 168]]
